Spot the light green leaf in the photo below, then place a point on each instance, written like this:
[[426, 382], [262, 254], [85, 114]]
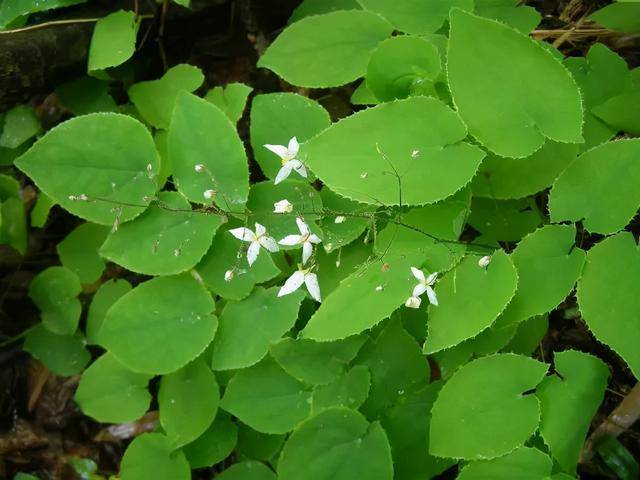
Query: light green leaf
[[621, 112], [166, 239], [222, 256], [528, 335], [266, 398], [231, 99], [86, 95], [357, 305], [592, 189], [623, 16], [470, 299], [248, 328], [348, 390], [524, 464], [14, 224], [214, 445], [318, 7], [188, 401], [326, 50], [101, 155], [256, 445], [79, 251], [397, 368], [536, 96], [609, 296], [201, 134], [569, 401], [20, 124], [339, 264], [506, 220], [505, 178], [337, 444], [106, 296], [155, 99], [363, 95], [521, 17], [276, 118], [41, 209], [315, 362], [110, 393], [152, 457], [403, 66], [247, 470], [55, 292], [355, 221], [113, 41], [160, 325], [492, 385], [420, 139], [415, 16], [64, 355]]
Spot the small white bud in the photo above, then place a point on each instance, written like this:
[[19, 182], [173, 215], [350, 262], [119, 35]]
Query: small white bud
[[177, 252], [340, 219], [364, 175], [228, 275], [484, 261], [413, 302], [283, 206], [379, 288], [199, 168], [208, 194], [415, 154]]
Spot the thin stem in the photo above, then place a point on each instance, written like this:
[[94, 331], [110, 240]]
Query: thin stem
[[69, 21]]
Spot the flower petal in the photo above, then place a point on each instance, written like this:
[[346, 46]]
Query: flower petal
[[307, 251], [283, 173], [313, 238], [292, 284], [260, 230], [252, 252], [269, 243], [243, 234], [413, 302], [419, 289], [311, 281], [302, 226], [300, 168], [431, 279], [291, 240], [293, 146], [419, 274], [433, 300], [279, 150]]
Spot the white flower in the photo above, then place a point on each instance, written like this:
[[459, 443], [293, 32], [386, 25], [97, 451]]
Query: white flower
[[340, 219], [288, 158], [228, 275], [424, 285], [257, 239], [208, 194], [283, 206], [199, 168], [306, 239], [484, 261], [299, 277]]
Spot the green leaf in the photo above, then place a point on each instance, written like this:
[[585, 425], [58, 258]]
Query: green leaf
[[348, 390], [493, 385], [337, 444], [403, 66], [64, 355], [511, 12], [247, 470], [86, 95], [363, 95], [338, 265], [326, 50], [357, 305], [524, 464], [160, 325], [505, 178], [106, 296], [266, 398], [222, 256], [528, 335], [256, 445], [276, 118], [313, 362], [248, 328], [155, 99], [41, 209], [420, 139], [55, 292], [621, 112], [355, 221], [113, 41], [470, 299], [201, 134], [79, 251], [609, 296], [506, 220], [151, 457], [166, 239], [14, 224], [397, 367], [407, 426], [111, 393], [10, 11], [215, 444], [569, 401], [188, 401], [415, 16], [613, 198], [548, 267], [20, 124], [101, 155], [623, 16], [317, 7], [537, 98], [231, 99]]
